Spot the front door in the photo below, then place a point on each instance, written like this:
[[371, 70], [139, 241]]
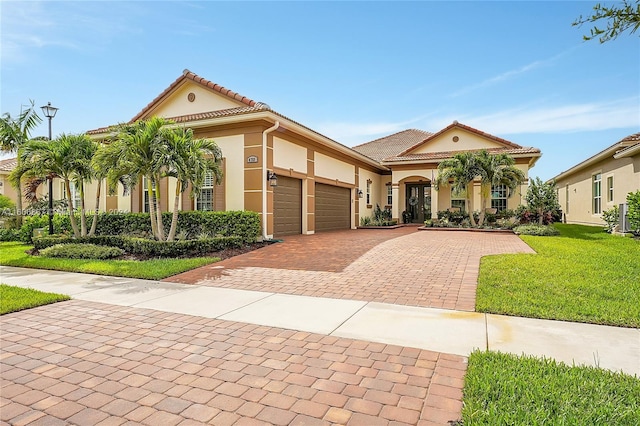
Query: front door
[[419, 202]]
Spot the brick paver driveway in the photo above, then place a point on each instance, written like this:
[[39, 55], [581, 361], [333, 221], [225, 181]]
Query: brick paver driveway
[[403, 266], [87, 363]]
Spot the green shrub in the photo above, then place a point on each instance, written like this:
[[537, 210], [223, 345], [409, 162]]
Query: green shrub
[[9, 234], [611, 218], [146, 247], [633, 214], [365, 221], [82, 251], [537, 230]]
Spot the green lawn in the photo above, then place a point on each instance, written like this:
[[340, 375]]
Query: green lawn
[[519, 390], [583, 275], [13, 254], [13, 299]]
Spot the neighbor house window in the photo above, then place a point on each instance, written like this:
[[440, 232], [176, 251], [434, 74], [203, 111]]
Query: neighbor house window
[[368, 192], [610, 189], [389, 195], [597, 193], [566, 192], [204, 200], [458, 199], [145, 187], [75, 194]]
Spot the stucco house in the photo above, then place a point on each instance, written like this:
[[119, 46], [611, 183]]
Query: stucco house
[[322, 184], [600, 182]]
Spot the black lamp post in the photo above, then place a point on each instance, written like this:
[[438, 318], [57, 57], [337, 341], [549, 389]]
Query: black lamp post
[[50, 112]]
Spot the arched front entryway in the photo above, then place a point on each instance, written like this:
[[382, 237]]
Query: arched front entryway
[[418, 201]]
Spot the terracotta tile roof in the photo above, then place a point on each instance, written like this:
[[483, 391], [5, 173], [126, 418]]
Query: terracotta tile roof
[[188, 75], [465, 127], [392, 145], [448, 154], [632, 138], [8, 164], [201, 116]]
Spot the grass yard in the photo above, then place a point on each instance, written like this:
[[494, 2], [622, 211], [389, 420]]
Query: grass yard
[[13, 299], [505, 389], [583, 275], [13, 254]]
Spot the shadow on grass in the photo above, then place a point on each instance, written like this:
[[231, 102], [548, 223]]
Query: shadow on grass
[[581, 232]]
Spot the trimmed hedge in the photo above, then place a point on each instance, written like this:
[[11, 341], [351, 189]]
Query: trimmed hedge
[[146, 247], [82, 251], [537, 230], [191, 224]]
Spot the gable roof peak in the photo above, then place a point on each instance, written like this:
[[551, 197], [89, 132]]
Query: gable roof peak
[[190, 75]]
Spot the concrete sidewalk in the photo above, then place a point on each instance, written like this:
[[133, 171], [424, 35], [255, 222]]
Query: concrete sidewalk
[[439, 330]]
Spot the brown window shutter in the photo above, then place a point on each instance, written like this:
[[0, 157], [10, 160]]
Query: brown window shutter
[[219, 190]]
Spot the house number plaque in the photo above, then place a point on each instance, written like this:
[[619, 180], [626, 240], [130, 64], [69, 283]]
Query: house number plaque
[[252, 159]]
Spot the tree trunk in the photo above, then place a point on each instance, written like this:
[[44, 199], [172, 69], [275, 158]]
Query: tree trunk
[[83, 213], [159, 212], [72, 217], [19, 206], [468, 202], [174, 218], [94, 224], [483, 208], [152, 210], [540, 216]]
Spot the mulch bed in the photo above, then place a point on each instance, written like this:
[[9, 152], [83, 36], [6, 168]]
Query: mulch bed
[[222, 254]]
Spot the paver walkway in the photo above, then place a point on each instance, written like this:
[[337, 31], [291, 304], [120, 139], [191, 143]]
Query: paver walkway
[[402, 266], [89, 363]]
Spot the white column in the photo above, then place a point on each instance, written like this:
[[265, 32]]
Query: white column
[[395, 198]]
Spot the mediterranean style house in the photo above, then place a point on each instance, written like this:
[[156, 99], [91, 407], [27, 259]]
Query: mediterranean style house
[[600, 182], [319, 184]]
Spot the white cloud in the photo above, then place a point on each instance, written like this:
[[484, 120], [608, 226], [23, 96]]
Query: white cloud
[[356, 133], [508, 74], [622, 113]]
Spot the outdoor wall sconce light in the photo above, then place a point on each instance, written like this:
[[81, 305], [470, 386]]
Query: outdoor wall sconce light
[[272, 178], [359, 192]]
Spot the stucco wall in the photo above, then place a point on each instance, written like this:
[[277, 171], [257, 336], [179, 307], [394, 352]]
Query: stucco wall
[[331, 168], [466, 141], [178, 104], [366, 210], [232, 148], [288, 155]]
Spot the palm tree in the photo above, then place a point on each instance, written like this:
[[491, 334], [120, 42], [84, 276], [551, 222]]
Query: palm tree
[[67, 157], [459, 172], [496, 169], [189, 161], [138, 152], [14, 133]]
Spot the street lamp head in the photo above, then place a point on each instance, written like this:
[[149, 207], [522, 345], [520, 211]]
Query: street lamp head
[[49, 111]]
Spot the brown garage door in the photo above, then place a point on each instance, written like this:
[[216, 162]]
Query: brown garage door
[[287, 207], [333, 207]]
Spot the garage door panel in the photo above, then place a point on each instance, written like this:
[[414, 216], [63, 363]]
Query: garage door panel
[[333, 207], [287, 207]]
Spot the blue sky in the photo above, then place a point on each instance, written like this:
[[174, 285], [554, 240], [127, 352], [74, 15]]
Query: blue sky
[[354, 71]]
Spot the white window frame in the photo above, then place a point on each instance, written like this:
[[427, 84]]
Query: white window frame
[[499, 197], [610, 189], [145, 194], [459, 199], [207, 186], [596, 192], [389, 195], [75, 196]]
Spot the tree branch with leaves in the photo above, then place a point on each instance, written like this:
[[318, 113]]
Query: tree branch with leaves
[[621, 17]]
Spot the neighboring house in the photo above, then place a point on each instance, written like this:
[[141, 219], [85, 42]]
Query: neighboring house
[[59, 192], [600, 182], [322, 185]]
